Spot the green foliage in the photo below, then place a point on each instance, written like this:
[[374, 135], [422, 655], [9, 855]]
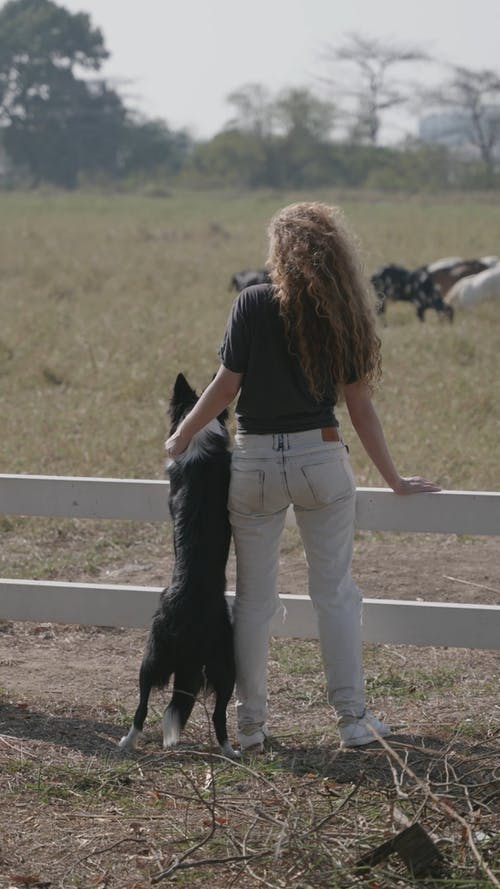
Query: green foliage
[[149, 147], [56, 124], [301, 160], [230, 158], [48, 35], [60, 127], [300, 113]]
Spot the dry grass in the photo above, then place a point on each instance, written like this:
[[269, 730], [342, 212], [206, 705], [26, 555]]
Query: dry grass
[[104, 299], [77, 813]]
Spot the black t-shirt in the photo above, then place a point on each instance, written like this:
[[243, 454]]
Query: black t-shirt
[[274, 394]]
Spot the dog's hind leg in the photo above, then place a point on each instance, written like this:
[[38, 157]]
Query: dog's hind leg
[[146, 682], [186, 688], [223, 684]]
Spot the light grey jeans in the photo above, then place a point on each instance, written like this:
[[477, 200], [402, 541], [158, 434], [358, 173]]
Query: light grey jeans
[[270, 472]]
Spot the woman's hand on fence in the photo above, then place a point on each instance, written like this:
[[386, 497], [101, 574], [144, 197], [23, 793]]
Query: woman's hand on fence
[[415, 485]]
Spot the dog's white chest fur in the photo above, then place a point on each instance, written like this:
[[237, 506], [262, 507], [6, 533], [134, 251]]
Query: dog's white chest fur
[[199, 445]]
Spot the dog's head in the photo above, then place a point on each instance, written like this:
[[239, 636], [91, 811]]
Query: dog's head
[[183, 399]]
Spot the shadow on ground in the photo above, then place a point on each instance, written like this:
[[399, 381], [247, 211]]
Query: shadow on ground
[[87, 735], [430, 758]]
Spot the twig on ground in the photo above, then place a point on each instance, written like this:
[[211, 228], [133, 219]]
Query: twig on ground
[[102, 850], [181, 864], [481, 586], [323, 821], [443, 807]]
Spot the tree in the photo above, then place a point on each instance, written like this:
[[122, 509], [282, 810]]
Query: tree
[[150, 147], [376, 89], [305, 123], [301, 114], [254, 110], [230, 158], [473, 98], [57, 121]]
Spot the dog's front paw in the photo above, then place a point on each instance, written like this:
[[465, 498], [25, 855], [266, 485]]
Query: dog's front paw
[[129, 742]]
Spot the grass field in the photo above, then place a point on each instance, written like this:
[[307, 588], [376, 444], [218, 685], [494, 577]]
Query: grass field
[[104, 298]]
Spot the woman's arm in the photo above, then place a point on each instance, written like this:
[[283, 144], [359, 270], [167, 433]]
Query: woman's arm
[[216, 397], [366, 422]]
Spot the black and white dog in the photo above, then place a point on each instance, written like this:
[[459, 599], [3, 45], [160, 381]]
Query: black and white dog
[[191, 637]]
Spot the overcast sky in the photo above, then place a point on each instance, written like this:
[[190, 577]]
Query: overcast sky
[[179, 59]]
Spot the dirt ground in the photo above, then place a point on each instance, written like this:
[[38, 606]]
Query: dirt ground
[[76, 814], [67, 694], [429, 567], [38, 660]]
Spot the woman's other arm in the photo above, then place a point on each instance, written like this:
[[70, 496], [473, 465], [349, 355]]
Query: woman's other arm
[[368, 427]]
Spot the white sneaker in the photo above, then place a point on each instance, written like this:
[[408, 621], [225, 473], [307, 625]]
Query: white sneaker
[[354, 732], [253, 741]]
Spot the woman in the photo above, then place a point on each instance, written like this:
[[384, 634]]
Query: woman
[[291, 349]]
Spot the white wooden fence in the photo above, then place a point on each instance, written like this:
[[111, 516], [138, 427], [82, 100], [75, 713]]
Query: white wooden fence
[[384, 620]]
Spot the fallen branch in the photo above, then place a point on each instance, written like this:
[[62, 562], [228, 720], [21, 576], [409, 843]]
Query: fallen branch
[[181, 864], [481, 586], [444, 807]]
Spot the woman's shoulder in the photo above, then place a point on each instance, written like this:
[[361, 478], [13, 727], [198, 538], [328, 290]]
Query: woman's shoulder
[[257, 296]]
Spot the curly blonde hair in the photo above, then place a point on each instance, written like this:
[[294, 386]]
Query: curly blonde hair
[[326, 304]]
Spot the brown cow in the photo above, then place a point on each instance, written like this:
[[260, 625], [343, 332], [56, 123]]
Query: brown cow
[[445, 278]]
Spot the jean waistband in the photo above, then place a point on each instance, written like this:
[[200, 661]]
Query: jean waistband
[[286, 441]]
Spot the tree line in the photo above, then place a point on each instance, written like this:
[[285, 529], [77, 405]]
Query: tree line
[[62, 123]]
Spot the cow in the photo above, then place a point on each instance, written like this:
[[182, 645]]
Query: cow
[[445, 263], [445, 278], [475, 288], [240, 280], [398, 283]]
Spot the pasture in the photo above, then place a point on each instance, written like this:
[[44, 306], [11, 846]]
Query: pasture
[[103, 299]]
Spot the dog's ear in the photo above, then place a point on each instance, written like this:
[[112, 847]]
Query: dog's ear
[[182, 390], [182, 400]]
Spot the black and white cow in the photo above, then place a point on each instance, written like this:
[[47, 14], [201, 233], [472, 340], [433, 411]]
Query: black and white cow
[[417, 287], [240, 280]]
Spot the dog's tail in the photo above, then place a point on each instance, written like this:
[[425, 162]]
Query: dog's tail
[[176, 715], [171, 726]]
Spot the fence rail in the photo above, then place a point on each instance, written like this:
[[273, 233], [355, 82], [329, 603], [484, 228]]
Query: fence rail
[[384, 620]]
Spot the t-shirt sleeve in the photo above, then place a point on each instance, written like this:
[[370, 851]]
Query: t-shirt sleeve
[[351, 375], [235, 347]]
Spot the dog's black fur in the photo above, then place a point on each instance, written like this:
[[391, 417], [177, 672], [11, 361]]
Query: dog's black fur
[[191, 637]]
